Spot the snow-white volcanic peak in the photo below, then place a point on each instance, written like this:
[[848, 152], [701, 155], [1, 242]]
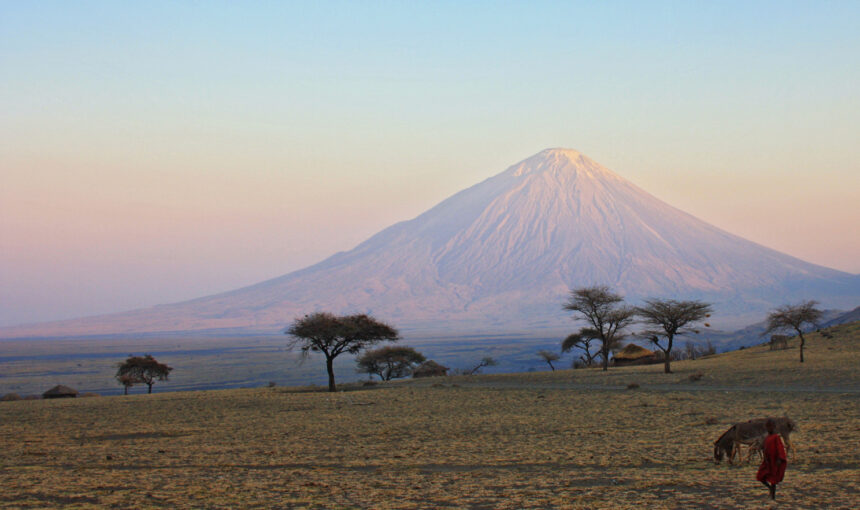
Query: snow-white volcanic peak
[[501, 256]]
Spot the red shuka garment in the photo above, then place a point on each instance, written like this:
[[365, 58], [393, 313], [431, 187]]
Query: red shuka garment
[[771, 469]]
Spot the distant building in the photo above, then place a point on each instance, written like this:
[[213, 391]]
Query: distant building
[[430, 369], [60, 391], [778, 342], [633, 354]]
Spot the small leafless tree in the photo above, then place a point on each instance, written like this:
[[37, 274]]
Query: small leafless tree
[[691, 351], [333, 335], [582, 341], [549, 357], [794, 317], [486, 361], [606, 314], [668, 318]]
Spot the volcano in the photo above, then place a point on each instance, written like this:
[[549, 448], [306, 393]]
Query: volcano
[[501, 256]]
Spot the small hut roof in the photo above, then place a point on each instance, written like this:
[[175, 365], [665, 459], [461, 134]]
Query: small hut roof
[[60, 390], [632, 352], [430, 367]]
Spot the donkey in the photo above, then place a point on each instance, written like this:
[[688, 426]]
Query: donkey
[[756, 447], [749, 433]]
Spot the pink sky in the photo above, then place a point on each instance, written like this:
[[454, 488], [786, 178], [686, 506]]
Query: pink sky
[[150, 155]]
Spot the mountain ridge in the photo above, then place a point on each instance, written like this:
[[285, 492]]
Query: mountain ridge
[[502, 254]]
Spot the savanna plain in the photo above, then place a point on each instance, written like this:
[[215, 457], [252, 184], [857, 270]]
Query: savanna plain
[[563, 439]]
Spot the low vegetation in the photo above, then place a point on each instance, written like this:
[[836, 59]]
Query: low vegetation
[[390, 362]]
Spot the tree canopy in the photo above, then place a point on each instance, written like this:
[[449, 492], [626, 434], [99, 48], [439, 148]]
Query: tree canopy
[[142, 369], [606, 315], [794, 317], [390, 362], [333, 335], [668, 318], [582, 340]]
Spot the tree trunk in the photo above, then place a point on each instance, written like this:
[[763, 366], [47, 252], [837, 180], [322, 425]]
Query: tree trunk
[[667, 369], [149, 386], [802, 341], [550, 366], [126, 391], [605, 360], [329, 365]]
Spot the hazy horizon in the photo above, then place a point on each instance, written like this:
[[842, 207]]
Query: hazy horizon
[[162, 152]]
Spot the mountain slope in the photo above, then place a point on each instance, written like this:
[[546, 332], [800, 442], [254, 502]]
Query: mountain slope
[[501, 256]]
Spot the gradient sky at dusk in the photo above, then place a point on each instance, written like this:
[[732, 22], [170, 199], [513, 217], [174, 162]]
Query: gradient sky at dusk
[[152, 152]]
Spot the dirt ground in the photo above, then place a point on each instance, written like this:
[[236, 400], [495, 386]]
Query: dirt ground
[[432, 447], [550, 440]]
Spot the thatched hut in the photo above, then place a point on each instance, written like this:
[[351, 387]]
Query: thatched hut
[[778, 342], [60, 391], [430, 369], [633, 354]]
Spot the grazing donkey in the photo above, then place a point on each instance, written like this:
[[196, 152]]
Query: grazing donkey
[[751, 433], [757, 446]]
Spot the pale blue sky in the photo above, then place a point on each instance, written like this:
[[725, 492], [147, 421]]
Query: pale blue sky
[[158, 151]]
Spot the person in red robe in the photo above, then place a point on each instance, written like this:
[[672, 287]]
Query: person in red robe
[[772, 469]]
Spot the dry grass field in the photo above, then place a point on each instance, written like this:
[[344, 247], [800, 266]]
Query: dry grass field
[[569, 439]]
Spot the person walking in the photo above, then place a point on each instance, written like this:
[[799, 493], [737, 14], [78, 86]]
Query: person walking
[[772, 468]]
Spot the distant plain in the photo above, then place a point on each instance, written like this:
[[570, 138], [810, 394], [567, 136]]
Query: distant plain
[[29, 367]]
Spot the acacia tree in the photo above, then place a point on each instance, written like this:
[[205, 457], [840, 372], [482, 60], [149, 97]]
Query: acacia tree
[[333, 335], [390, 362], [606, 314], [486, 361], [668, 318], [127, 381], [582, 340], [144, 369], [549, 357], [793, 317]]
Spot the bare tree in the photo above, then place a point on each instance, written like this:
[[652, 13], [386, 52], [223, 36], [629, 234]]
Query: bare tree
[[390, 362], [794, 317], [668, 318], [549, 357], [605, 312], [144, 369], [333, 335], [486, 361], [582, 340]]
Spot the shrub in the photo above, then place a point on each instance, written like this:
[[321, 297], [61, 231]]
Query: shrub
[[9, 397]]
